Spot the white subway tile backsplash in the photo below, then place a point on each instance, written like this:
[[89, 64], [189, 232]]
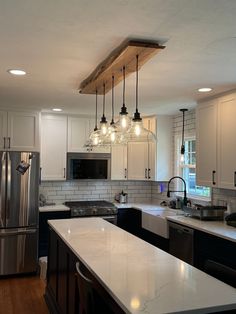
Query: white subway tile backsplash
[[59, 192]]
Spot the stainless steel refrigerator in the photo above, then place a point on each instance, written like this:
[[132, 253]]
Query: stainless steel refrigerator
[[19, 181]]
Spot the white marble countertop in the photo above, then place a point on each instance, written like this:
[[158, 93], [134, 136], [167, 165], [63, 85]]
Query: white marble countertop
[[140, 277], [217, 228], [53, 208]]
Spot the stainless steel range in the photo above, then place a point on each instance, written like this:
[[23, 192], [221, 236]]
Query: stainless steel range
[[103, 209]]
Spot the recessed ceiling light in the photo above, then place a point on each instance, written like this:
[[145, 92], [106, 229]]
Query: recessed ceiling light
[[204, 89], [16, 72], [57, 109]]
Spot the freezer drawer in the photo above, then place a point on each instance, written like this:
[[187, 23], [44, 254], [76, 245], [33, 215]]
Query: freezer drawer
[[18, 251]]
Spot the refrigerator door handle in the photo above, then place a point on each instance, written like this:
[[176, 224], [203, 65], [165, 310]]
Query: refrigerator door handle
[[3, 190], [8, 186], [9, 233]]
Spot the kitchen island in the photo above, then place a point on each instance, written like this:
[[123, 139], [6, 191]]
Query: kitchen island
[[139, 277]]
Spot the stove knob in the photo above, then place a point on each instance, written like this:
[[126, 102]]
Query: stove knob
[[80, 212], [109, 210], [95, 211]]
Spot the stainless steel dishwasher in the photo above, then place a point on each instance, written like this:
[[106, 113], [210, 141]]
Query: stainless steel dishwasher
[[181, 242]]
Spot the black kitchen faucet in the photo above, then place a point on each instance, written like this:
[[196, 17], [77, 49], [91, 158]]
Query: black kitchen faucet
[[185, 192]]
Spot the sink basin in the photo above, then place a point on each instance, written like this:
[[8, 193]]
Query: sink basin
[[156, 222]]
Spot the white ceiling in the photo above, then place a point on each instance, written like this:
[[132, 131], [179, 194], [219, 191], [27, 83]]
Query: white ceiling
[[60, 42]]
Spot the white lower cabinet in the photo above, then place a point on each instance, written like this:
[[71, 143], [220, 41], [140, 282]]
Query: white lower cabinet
[[119, 169], [53, 147]]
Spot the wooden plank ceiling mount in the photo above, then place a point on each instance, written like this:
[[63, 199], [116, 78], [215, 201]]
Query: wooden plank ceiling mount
[[124, 55]]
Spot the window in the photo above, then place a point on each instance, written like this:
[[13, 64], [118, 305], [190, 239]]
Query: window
[[187, 170]]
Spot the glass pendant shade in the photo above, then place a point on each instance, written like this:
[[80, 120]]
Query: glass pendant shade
[[103, 122], [124, 120], [137, 132], [103, 127]]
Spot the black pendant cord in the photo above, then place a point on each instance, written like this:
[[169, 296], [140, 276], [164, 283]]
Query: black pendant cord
[[103, 119], [112, 100], [183, 131], [137, 114], [137, 83], [104, 88], [182, 150], [123, 108], [123, 86], [96, 113]]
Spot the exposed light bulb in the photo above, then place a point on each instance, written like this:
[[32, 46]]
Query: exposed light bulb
[[182, 158], [137, 130], [124, 122], [95, 140], [104, 128], [113, 136]]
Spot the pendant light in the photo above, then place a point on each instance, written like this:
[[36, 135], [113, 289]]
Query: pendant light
[[95, 135], [112, 130], [137, 132], [103, 122], [124, 119], [182, 149]]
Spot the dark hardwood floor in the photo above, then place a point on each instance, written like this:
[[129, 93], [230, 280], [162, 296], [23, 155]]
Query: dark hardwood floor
[[22, 295]]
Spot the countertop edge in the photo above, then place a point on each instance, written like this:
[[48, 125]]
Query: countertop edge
[[204, 229]]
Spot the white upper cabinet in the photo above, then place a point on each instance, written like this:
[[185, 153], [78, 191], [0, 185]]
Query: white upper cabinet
[[150, 124], [19, 131], [3, 129], [216, 149], [164, 148], [206, 140], [138, 161], [78, 133], [227, 142], [53, 147], [79, 129], [119, 169]]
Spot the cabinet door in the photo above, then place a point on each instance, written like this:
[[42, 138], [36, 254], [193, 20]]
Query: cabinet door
[[138, 161], [152, 161], [226, 143], [3, 129], [206, 137], [150, 124], [119, 162], [78, 134], [53, 147], [23, 131]]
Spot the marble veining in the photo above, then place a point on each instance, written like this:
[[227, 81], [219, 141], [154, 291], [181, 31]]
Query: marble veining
[[140, 277]]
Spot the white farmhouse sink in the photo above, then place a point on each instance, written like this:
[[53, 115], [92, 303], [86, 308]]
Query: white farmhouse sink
[[156, 222]]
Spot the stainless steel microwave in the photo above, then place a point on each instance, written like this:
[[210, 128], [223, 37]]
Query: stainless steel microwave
[[88, 166]]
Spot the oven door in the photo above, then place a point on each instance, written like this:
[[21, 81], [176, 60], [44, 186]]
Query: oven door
[[112, 219]]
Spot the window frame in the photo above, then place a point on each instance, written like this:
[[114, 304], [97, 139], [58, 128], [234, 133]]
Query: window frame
[[179, 169]]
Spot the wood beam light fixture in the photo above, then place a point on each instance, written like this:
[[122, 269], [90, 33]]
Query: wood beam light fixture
[[123, 56]]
